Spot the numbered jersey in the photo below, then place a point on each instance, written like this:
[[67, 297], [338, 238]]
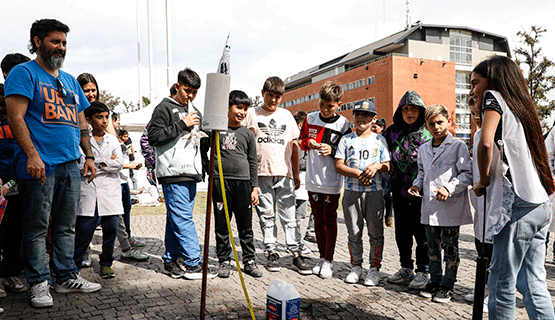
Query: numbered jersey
[[359, 153]]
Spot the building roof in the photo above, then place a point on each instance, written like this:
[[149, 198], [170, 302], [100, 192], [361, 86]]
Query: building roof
[[380, 48]]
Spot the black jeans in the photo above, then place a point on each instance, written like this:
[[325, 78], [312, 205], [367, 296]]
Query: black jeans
[[407, 226], [238, 196]]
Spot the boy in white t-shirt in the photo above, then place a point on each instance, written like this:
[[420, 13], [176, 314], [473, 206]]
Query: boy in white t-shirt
[[276, 133], [360, 156]]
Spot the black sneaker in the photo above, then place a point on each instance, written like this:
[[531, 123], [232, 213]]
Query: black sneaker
[[173, 269], [444, 295], [310, 238], [225, 269], [251, 269], [301, 266], [432, 288], [193, 273], [273, 262]]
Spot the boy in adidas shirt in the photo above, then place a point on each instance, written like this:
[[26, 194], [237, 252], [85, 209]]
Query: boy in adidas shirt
[[276, 134], [359, 157]]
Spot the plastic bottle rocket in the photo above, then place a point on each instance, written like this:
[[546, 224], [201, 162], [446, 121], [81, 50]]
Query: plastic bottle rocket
[[283, 301]]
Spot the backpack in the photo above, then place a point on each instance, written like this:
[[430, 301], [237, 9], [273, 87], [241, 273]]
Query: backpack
[[147, 150]]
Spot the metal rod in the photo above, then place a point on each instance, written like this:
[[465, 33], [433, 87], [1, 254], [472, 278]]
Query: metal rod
[[207, 225]]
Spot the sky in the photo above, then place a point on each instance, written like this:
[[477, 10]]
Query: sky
[[267, 38]]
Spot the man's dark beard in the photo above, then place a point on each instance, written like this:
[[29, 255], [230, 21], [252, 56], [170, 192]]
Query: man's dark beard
[[51, 60]]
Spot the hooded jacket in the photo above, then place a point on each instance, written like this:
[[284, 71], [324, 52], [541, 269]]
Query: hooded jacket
[[403, 141]]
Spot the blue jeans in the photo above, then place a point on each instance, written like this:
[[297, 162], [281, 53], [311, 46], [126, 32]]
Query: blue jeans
[[518, 263], [446, 239], [181, 236], [278, 192], [84, 231], [57, 197]]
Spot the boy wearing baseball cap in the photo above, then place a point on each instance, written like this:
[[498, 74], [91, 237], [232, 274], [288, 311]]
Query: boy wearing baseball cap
[[359, 157]]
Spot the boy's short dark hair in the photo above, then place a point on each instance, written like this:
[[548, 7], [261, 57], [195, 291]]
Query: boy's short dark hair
[[94, 108], [238, 97], [381, 122], [41, 28], [300, 116], [122, 132], [11, 60], [173, 90], [331, 91], [275, 85], [189, 78]]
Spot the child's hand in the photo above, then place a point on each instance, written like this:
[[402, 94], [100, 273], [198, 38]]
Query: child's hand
[[137, 165], [414, 191], [442, 194], [114, 156], [191, 119], [364, 179], [371, 170], [312, 144], [324, 149], [254, 196], [479, 188], [297, 180]]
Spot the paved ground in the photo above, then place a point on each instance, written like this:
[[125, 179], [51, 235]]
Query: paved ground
[[141, 291]]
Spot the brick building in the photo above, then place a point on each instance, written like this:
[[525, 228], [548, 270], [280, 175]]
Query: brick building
[[433, 60]]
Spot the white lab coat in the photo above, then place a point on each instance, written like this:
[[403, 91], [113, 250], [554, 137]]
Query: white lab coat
[[451, 168], [105, 190]]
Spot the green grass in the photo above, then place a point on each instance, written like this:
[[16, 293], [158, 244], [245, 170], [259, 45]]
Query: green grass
[[200, 207]]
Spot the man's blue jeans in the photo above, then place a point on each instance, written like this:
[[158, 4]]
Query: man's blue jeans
[[518, 262], [57, 197], [181, 236]]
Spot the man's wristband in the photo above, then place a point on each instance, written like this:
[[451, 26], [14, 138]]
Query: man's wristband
[[89, 157]]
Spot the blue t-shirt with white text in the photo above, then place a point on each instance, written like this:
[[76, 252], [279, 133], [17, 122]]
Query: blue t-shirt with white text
[[52, 119]]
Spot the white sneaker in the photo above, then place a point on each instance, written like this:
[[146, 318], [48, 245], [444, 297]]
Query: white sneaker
[[469, 297], [326, 271], [318, 267], [419, 282], [404, 274], [40, 296], [372, 277], [355, 275], [76, 285], [306, 250]]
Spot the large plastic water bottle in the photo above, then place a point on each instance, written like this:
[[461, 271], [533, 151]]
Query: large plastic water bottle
[[283, 301]]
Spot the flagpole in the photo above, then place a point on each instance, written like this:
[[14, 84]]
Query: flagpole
[[150, 57], [168, 43], [140, 104]]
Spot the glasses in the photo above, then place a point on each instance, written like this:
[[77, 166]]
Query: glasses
[[61, 89]]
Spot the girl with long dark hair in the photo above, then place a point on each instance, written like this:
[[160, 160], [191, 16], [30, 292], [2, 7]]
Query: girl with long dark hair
[[523, 181]]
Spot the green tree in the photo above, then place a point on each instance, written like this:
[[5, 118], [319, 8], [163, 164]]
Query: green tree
[[112, 101], [539, 81], [256, 102]]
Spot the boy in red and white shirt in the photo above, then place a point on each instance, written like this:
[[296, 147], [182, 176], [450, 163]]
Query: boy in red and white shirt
[[320, 136]]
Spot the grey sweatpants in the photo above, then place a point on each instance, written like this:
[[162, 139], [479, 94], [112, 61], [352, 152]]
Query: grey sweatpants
[[357, 208]]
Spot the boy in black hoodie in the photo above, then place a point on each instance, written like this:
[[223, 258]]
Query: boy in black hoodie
[[404, 137]]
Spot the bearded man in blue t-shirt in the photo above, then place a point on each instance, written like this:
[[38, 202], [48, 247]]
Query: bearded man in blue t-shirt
[[45, 112]]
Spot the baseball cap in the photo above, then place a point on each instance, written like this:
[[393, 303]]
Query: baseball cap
[[365, 105]]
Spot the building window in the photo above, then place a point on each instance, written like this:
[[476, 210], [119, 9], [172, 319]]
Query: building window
[[463, 121], [485, 43], [462, 80], [328, 74], [370, 80], [460, 48], [433, 36], [461, 102]]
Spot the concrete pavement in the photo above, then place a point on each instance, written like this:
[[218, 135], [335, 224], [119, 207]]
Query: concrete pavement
[[141, 291]]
